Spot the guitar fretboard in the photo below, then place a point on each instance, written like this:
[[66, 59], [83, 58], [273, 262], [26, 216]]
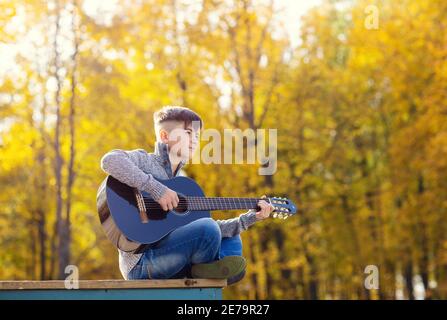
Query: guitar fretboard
[[219, 203]]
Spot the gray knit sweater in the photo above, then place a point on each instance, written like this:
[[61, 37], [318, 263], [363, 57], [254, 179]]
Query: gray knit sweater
[[137, 169]]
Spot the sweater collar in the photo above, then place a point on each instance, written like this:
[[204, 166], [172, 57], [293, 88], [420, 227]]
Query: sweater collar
[[162, 151]]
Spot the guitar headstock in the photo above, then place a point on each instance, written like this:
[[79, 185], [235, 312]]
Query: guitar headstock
[[283, 207]]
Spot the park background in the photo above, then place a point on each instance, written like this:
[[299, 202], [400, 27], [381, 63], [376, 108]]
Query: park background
[[359, 104]]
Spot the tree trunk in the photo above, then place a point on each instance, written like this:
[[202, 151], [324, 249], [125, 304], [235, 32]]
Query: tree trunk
[[66, 237], [60, 229], [408, 275], [42, 241]]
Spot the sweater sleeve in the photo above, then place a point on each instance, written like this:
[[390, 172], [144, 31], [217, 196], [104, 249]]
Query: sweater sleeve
[[125, 166], [234, 226]]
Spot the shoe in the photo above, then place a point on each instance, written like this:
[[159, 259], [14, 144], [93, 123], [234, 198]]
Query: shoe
[[236, 278], [227, 267]]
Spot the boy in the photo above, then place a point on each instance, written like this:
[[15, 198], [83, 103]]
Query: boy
[[204, 248]]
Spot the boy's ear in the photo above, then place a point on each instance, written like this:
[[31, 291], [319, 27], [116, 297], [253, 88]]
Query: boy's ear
[[164, 136]]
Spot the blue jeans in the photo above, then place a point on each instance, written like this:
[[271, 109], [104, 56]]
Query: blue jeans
[[197, 242]]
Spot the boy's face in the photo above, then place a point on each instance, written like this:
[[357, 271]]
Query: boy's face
[[182, 140]]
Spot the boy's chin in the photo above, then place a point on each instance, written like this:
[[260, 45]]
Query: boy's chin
[[185, 158]]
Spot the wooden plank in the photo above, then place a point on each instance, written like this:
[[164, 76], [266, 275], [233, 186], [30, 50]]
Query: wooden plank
[[115, 284]]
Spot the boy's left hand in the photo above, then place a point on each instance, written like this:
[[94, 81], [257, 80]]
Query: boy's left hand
[[266, 209]]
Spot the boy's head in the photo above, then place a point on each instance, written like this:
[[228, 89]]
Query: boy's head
[[179, 128]]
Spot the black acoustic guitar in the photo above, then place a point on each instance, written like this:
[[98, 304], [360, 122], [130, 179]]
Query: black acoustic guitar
[[132, 219]]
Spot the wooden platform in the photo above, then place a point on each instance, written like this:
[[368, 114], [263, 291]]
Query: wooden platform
[[172, 289]]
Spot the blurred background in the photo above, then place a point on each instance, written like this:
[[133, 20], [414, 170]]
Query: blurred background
[[356, 89]]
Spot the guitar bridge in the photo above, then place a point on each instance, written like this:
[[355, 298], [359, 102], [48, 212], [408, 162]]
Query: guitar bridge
[[141, 206]]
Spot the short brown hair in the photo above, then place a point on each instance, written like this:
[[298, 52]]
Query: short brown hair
[[175, 113]]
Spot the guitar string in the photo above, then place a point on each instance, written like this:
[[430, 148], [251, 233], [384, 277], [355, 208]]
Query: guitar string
[[208, 205], [207, 202], [199, 202]]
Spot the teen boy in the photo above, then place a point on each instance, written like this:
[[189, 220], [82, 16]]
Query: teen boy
[[204, 248]]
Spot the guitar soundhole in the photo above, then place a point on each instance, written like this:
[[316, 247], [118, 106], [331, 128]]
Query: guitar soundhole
[[182, 205]]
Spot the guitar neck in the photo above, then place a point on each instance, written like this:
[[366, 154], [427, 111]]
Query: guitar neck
[[219, 203]]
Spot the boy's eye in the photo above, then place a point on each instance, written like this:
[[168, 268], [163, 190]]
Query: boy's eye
[[189, 132]]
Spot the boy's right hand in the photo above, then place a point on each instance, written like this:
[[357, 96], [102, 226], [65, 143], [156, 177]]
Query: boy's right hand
[[169, 200]]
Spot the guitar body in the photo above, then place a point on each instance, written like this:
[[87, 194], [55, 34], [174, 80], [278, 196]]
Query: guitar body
[[124, 224]]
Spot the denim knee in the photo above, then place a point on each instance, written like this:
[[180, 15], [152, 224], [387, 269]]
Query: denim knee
[[208, 244], [210, 230]]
